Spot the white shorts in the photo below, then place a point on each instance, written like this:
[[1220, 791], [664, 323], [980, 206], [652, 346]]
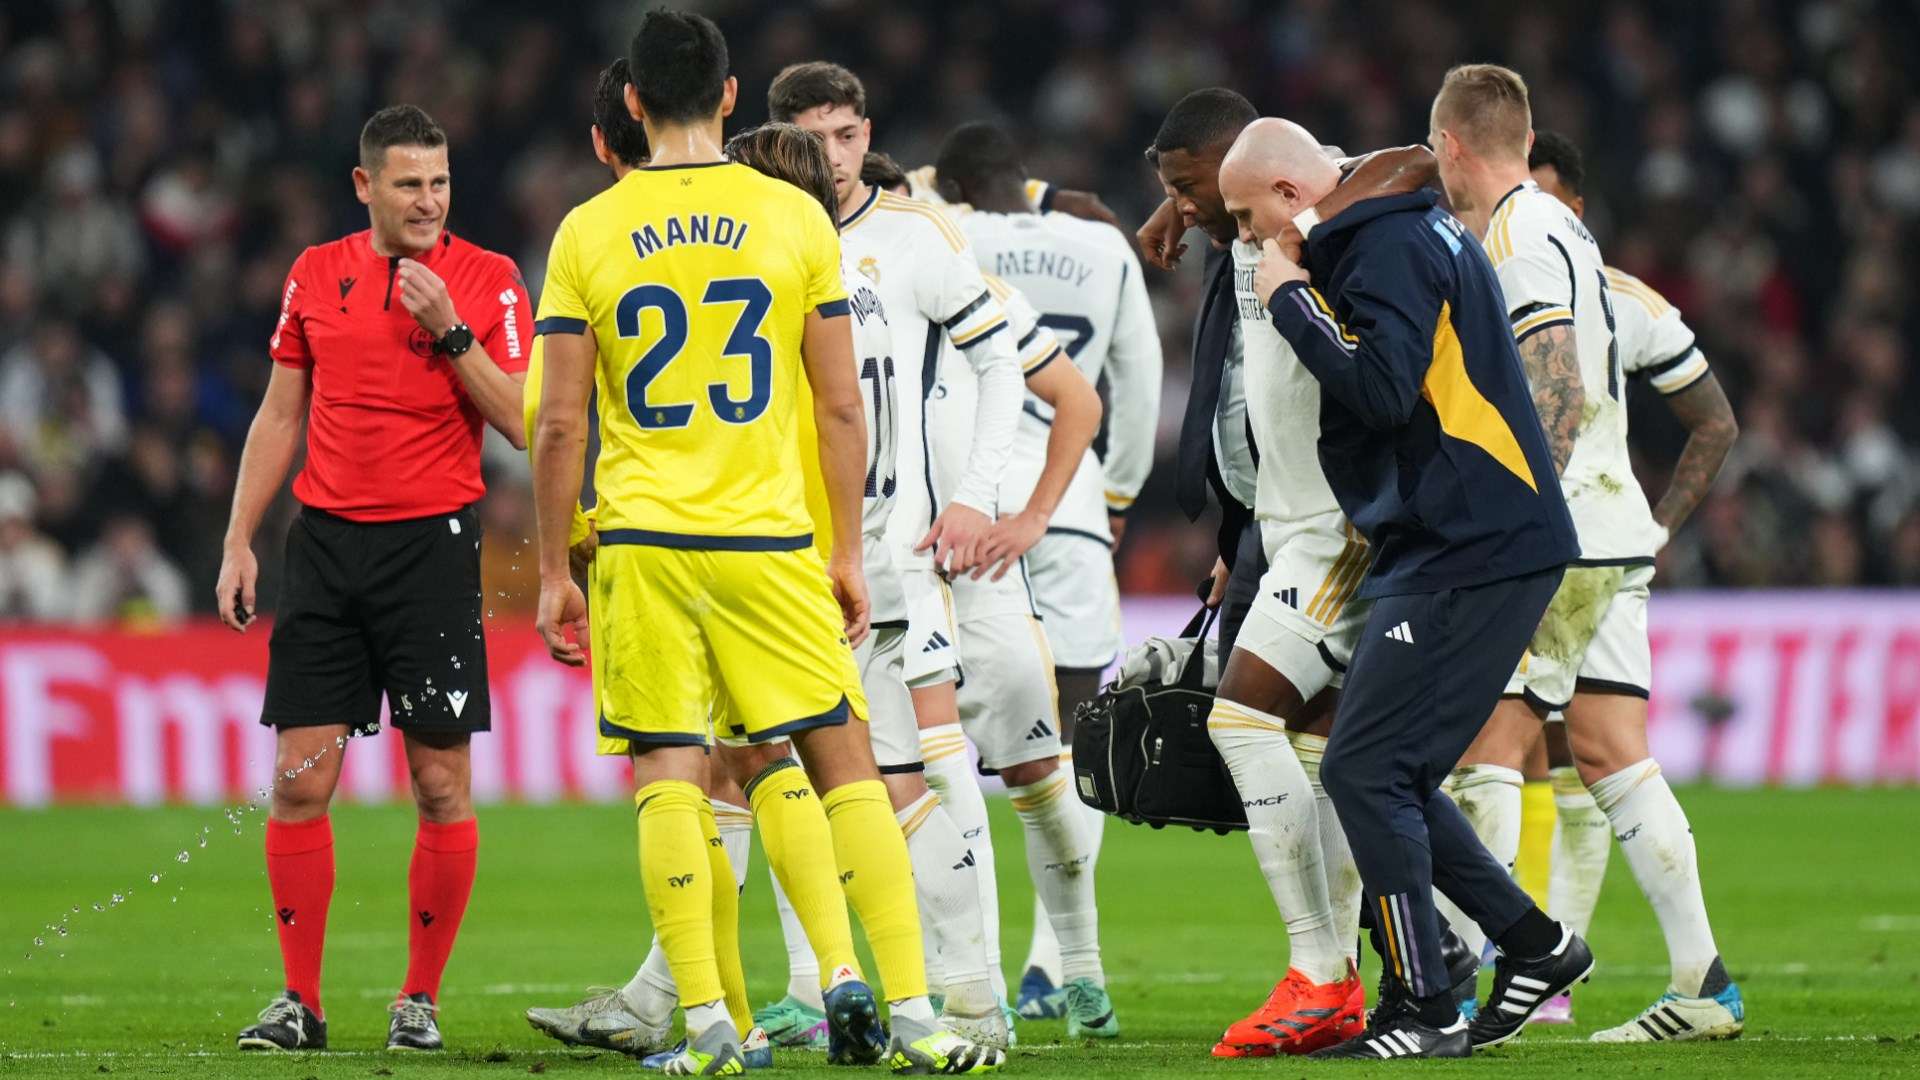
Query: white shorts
[[1078, 598], [884, 593], [1009, 705], [1305, 620], [1593, 637], [890, 719], [930, 656]]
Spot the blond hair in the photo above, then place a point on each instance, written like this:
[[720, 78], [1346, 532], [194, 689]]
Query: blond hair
[[1485, 106]]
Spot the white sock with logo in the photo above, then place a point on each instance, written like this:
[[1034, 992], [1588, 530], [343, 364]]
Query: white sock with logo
[[1336, 855], [1061, 864], [950, 774], [1489, 798], [1582, 841], [1658, 844], [1284, 826], [943, 877]]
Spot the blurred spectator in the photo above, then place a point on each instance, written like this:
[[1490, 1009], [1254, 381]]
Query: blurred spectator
[[124, 577], [33, 573], [163, 162]]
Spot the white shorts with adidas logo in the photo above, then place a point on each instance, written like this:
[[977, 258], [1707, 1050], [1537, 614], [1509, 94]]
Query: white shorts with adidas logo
[[1009, 706], [1305, 620], [930, 655]]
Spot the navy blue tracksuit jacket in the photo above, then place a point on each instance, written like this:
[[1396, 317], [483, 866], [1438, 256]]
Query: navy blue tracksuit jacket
[[1428, 435]]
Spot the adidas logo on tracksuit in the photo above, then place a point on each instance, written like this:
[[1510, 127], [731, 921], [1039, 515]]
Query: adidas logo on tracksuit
[[1402, 633]]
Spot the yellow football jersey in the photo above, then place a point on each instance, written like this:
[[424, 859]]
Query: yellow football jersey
[[696, 281]]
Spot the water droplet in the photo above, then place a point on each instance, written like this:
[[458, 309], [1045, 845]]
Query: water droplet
[[182, 857], [203, 841], [262, 793], [62, 931], [98, 906], [118, 900], [288, 775], [39, 942], [174, 900], [76, 909], [305, 763], [153, 879]]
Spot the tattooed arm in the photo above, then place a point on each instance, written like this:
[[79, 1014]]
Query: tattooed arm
[[1552, 361], [1711, 429]]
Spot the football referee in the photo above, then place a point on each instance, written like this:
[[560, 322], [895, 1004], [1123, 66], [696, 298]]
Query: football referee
[[395, 344]]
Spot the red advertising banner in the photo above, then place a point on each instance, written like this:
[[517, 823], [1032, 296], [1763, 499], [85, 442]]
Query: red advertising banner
[[1749, 688]]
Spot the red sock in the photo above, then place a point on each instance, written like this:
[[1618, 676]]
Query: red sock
[[300, 872], [439, 883]]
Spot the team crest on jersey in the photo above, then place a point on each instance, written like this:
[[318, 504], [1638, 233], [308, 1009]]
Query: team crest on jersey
[[870, 268]]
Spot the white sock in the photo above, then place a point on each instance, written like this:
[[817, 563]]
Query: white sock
[[914, 1008], [736, 836], [1284, 826], [1489, 798], [1582, 840], [702, 1017], [651, 994], [1336, 855], [803, 967], [943, 878], [950, 774], [1044, 952], [1658, 844], [1061, 865]]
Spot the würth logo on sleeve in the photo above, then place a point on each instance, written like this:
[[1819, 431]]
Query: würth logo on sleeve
[[511, 301]]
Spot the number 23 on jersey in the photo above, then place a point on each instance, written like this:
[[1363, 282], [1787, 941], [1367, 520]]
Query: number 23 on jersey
[[743, 341]]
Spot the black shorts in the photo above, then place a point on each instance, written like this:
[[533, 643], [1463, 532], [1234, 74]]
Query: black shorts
[[373, 608]]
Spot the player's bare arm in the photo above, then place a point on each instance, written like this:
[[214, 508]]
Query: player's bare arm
[[559, 459], [1711, 430], [1552, 362], [1076, 420], [493, 391], [264, 461], [1394, 171], [826, 348], [1083, 204]]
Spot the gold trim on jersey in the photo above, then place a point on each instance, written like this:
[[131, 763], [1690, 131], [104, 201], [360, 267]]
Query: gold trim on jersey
[[1499, 243], [960, 342], [1541, 318], [1117, 501], [889, 201], [865, 211], [1622, 282]]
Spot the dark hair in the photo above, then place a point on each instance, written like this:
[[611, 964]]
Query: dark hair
[[397, 125], [882, 171], [1555, 149], [792, 153], [800, 87], [677, 63], [626, 139], [1211, 117], [976, 157]]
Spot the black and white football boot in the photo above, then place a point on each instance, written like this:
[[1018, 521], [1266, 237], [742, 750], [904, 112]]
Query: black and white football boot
[[1396, 1031], [412, 1025], [285, 1024], [1522, 985]]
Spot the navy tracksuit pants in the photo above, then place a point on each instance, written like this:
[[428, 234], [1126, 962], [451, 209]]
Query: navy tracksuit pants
[[1425, 676]]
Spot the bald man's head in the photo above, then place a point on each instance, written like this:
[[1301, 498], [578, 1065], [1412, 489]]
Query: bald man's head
[[1275, 170]]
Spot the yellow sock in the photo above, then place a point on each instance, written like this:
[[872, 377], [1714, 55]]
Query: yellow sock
[[726, 923], [1536, 839], [872, 855], [679, 880], [794, 832]]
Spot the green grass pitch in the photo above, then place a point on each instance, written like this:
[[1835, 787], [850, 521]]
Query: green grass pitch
[[1815, 897]]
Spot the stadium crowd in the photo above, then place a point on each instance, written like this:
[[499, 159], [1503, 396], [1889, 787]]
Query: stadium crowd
[[162, 163]]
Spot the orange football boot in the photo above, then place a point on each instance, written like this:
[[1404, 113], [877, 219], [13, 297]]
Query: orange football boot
[[1300, 1017]]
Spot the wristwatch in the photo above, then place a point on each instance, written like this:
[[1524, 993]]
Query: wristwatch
[[455, 341]]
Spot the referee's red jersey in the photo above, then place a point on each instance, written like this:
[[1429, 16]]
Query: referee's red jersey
[[391, 433]]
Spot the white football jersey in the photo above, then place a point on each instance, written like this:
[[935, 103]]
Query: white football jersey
[[1552, 274], [920, 265], [1283, 408], [1085, 280], [950, 420], [879, 395], [1654, 341]]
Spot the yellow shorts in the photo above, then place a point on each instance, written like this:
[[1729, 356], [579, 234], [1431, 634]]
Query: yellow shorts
[[684, 640]]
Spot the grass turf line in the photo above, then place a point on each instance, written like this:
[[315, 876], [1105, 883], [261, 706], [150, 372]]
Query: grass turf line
[[1812, 893]]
